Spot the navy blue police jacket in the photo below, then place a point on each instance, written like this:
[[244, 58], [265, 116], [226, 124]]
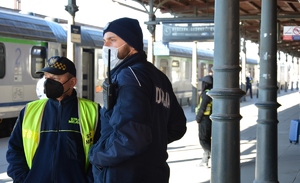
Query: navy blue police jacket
[[135, 133], [60, 156]]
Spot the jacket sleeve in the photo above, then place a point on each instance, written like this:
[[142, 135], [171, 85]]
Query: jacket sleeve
[[205, 100], [177, 121], [15, 156], [129, 128]]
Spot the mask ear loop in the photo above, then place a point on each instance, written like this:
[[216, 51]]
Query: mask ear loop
[[122, 45], [67, 80], [127, 55], [65, 83]]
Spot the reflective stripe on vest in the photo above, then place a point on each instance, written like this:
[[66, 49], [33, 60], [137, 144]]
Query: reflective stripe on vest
[[88, 118], [208, 109]]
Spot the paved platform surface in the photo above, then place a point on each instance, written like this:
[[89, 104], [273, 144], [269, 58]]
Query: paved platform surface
[[186, 153]]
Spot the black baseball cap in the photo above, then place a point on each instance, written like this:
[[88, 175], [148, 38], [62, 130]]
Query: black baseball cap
[[59, 65]]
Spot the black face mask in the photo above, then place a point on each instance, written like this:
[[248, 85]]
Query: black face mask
[[54, 89]]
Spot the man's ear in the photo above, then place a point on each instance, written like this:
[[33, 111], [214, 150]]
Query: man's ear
[[74, 81]]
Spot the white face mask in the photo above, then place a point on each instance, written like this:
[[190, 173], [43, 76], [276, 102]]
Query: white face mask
[[114, 60]]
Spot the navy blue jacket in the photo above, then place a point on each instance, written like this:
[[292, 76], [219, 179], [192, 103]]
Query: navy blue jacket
[[60, 157], [135, 133]]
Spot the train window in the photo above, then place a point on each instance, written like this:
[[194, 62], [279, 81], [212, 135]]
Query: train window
[[38, 58], [2, 60], [175, 63]]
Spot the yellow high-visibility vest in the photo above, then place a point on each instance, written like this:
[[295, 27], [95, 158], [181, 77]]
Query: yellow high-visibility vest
[[31, 127], [208, 109]]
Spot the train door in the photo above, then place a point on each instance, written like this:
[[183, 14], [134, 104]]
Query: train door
[[88, 74]]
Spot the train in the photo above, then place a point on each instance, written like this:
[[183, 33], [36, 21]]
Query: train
[[27, 41]]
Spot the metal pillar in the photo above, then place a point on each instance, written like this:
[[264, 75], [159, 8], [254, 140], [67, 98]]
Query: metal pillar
[[297, 76], [292, 74], [151, 28], [72, 8], [226, 94], [266, 167], [194, 79], [286, 73]]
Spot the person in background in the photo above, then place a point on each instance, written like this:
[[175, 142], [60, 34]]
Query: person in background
[[249, 85], [203, 112], [52, 136], [141, 118]]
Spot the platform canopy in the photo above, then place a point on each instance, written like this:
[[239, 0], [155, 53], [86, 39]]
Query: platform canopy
[[187, 11]]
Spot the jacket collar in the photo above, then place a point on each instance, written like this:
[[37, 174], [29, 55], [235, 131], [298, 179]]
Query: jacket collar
[[129, 61]]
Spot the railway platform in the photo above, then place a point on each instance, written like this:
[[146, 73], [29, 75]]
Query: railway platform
[[186, 154]]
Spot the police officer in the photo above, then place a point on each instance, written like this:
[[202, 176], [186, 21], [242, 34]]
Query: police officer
[[142, 119], [203, 112]]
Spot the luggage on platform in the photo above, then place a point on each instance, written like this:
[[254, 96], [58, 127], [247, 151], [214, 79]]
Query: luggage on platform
[[294, 131]]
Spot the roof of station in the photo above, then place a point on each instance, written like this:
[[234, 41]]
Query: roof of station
[[250, 11]]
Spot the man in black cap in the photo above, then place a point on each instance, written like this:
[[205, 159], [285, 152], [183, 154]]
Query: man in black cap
[[52, 136], [145, 117], [203, 112]]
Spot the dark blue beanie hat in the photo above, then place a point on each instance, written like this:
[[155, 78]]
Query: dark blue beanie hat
[[129, 30]]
